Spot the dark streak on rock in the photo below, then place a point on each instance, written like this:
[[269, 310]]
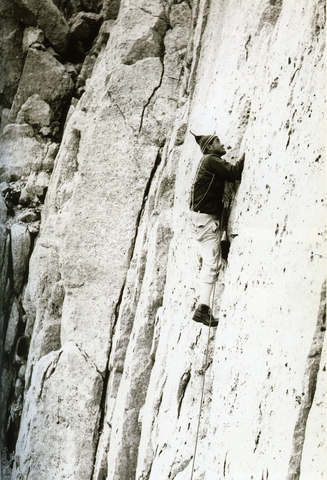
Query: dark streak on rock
[[145, 197], [181, 390]]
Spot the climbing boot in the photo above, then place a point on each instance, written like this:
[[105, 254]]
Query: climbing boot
[[203, 315]]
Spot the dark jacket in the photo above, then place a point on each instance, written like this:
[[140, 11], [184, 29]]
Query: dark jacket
[[209, 182]]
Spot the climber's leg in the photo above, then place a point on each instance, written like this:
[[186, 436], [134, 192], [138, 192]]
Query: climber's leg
[[206, 231]]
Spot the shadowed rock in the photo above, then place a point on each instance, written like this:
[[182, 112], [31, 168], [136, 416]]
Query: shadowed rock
[[46, 16]]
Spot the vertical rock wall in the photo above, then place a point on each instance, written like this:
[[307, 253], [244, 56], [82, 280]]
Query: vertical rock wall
[[115, 368]]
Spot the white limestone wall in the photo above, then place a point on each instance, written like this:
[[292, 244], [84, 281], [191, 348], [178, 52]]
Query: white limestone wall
[[260, 85]]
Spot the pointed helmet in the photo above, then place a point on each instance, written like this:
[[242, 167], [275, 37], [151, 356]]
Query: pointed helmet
[[203, 140]]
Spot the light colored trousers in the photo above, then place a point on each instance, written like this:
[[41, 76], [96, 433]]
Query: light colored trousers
[[206, 231]]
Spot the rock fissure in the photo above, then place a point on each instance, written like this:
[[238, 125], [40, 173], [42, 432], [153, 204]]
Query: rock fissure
[[257, 441], [102, 418], [196, 54], [88, 359], [224, 465], [106, 380], [148, 12], [247, 44], [115, 104], [47, 374], [144, 201], [117, 307], [156, 88]]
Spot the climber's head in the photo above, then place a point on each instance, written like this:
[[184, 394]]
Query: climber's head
[[216, 147], [210, 144]]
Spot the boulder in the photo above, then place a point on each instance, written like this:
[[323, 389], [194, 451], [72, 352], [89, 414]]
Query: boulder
[[37, 183], [93, 5], [5, 115], [93, 20], [72, 70], [143, 35], [52, 131], [11, 55], [47, 17], [32, 35], [12, 327], [29, 216], [85, 27], [24, 198], [45, 76], [20, 152], [20, 251], [110, 9], [36, 112], [71, 7], [3, 212], [80, 29], [52, 151]]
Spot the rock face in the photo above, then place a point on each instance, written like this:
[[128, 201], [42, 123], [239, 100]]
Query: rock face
[[106, 366]]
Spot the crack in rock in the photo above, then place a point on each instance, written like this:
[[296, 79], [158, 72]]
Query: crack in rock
[[115, 104], [145, 197], [151, 97]]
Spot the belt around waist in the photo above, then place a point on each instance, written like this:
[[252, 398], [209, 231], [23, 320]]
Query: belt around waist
[[203, 214]]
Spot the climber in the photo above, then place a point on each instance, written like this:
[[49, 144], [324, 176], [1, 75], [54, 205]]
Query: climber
[[206, 208]]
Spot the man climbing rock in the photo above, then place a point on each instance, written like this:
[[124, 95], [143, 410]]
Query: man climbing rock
[[206, 207]]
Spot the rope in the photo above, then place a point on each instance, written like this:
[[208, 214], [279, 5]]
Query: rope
[[202, 392]]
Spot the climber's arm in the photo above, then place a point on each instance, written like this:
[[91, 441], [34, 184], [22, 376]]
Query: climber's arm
[[225, 169]]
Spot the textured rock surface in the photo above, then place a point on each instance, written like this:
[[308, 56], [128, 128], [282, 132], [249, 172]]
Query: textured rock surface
[[115, 368]]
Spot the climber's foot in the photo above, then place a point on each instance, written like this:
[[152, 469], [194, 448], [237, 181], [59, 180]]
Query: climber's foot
[[203, 315]]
